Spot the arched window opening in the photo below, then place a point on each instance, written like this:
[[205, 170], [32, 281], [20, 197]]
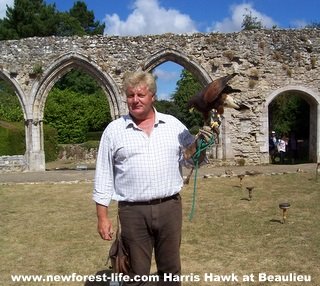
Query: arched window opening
[[289, 121], [75, 115], [12, 131]]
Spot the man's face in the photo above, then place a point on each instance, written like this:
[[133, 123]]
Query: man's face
[[140, 101]]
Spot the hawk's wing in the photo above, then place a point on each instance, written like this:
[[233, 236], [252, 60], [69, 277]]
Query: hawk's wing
[[212, 91]]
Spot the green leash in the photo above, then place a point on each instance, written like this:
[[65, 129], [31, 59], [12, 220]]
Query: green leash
[[201, 146]]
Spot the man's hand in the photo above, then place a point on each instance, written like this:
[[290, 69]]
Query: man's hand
[[206, 133], [104, 223], [105, 229]]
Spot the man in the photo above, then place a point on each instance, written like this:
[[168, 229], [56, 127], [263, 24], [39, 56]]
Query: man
[[139, 165], [273, 146], [282, 148]]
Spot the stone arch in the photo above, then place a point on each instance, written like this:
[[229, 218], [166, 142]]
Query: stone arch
[[18, 91], [40, 90], [313, 98], [223, 149], [63, 65], [175, 56], [202, 54]]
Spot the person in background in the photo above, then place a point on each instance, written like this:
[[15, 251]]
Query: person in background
[[273, 146], [282, 148], [139, 164]]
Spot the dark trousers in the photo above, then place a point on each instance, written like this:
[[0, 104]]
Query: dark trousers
[[152, 227], [282, 156]]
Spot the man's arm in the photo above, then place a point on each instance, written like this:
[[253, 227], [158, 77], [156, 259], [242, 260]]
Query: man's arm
[[104, 223], [104, 187]]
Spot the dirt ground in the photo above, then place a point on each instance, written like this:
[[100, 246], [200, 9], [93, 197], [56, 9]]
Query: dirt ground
[[79, 175]]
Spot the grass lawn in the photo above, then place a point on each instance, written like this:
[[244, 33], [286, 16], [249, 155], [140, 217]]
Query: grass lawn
[[50, 229]]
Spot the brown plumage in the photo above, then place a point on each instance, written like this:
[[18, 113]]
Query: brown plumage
[[214, 96]]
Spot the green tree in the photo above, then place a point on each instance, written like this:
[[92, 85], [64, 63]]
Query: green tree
[[77, 104], [74, 114], [28, 18], [166, 106], [98, 111], [86, 19], [65, 111], [97, 106], [250, 22], [78, 81], [289, 113], [68, 26], [187, 86], [10, 108], [12, 138]]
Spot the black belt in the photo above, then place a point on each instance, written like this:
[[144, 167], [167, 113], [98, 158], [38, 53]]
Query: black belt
[[150, 202]]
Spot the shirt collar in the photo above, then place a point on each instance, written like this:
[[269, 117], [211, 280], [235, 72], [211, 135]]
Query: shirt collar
[[159, 118]]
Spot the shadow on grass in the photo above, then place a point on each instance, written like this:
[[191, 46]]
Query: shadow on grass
[[237, 187], [276, 220]]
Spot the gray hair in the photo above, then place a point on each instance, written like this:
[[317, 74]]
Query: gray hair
[[133, 79]]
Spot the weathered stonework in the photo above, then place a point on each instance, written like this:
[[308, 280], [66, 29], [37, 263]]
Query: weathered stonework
[[15, 163], [77, 153], [268, 63]]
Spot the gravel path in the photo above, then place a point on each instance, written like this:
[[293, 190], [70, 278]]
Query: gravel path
[[75, 176]]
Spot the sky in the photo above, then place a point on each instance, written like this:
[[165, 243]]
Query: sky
[[143, 17]]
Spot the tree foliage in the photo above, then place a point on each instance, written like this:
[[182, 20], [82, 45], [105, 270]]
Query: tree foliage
[[250, 22], [10, 108], [97, 106], [12, 138], [166, 106], [68, 26], [74, 114], [187, 86], [78, 81], [289, 113], [77, 104], [86, 19], [73, 107], [30, 18]]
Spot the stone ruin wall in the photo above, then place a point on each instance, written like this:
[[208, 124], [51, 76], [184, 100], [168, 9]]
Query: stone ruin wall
[[265, 60]]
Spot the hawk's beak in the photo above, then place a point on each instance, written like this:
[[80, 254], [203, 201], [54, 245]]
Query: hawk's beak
[[191, 109], [229, 102]]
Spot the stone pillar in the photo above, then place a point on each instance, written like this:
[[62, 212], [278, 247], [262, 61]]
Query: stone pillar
[[226, 136], [35, 156], [263, 136], [318, 134], [314, 133]]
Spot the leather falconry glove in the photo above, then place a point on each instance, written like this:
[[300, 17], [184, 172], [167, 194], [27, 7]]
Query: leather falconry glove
[[205, 133]]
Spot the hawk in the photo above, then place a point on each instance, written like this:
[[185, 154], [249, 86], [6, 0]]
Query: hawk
[[216, 95]]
